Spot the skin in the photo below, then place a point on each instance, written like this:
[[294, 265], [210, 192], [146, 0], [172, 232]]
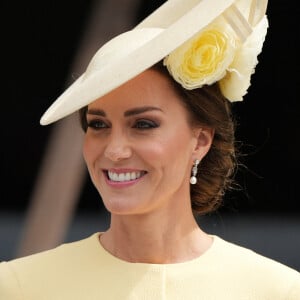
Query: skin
[[143, 127]]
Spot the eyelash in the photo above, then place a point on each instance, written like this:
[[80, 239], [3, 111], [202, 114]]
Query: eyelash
[[96, 124], [141, 124], [145, 124]]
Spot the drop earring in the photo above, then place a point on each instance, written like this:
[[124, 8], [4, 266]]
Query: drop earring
[[193, 179]]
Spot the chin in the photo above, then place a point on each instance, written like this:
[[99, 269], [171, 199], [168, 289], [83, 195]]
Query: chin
[[123, 207]]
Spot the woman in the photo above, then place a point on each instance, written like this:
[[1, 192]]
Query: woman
[[159, 147]]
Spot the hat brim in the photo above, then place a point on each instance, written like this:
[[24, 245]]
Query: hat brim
[[132, 52]]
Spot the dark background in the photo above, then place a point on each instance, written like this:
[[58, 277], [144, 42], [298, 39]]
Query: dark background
[[38, 44]]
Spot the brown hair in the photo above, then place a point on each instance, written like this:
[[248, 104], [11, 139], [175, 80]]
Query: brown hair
[[206, 107], [209, 108]]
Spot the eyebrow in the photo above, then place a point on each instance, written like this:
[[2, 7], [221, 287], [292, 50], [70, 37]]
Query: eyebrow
[[140, 110], [128, 113], [96, 112]]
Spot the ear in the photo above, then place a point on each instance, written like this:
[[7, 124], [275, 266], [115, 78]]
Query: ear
[[204, 138]]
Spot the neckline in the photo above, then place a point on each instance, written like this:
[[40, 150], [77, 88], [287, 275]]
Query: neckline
[[110, 258]]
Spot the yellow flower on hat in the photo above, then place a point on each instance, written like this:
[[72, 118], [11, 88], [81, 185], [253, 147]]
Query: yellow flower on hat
[[203, 59], [216, 54]]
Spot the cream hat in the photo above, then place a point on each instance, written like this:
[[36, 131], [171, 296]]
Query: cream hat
[[200, 41]]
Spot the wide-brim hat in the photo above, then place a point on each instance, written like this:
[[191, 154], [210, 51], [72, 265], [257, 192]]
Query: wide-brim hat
[[160, 34]]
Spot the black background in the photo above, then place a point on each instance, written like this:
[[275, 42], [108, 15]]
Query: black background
[[38, 44]]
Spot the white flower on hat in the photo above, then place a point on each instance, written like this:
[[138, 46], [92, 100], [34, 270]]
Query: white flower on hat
[[216, 54], [203, 59], [237, 80]]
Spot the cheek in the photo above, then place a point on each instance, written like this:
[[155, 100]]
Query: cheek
[[178, 150], [151, 152], [168, 151], [89, 150], [177, 141]]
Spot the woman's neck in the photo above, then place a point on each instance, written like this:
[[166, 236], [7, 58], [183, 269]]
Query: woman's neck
[[154, 238]]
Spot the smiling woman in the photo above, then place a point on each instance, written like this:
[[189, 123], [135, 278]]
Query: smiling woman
[[211, 115], [137, 133], [159, 147]]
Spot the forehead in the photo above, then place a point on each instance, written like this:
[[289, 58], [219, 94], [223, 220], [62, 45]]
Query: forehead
[[148, 88]]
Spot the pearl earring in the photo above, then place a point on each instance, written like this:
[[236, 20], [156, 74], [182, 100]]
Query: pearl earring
[[193, 179]]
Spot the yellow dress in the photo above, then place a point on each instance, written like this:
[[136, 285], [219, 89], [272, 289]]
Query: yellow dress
[[83, 270]]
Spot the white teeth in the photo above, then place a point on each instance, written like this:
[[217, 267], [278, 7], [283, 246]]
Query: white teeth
[[124, 176]]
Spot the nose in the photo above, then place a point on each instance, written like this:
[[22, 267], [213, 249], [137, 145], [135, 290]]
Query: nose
[[118, 147]]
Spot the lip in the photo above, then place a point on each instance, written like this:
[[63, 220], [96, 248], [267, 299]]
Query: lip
[[122, 184]]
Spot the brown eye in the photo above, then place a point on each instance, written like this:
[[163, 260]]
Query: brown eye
[[145, 124], [97, 124]]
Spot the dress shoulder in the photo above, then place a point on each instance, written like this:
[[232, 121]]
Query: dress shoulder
[[9, 284], [17, 275], [262, 272]]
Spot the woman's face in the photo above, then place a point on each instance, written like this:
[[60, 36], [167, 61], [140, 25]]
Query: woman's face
[[139, 146]]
